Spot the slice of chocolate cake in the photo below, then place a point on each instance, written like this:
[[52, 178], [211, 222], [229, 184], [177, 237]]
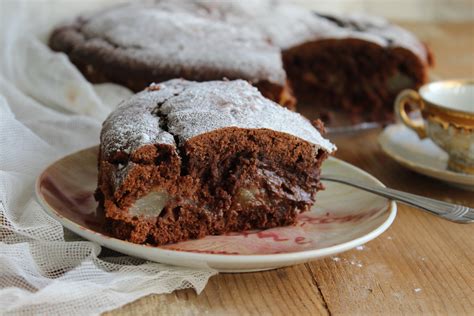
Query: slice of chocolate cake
[[137, 44], [183, 160]]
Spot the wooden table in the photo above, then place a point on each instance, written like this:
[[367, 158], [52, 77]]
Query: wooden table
[[422, 264]]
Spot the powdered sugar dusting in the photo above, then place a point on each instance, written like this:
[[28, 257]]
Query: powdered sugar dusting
[[391, 35], [184, 43], [133, 124], [287, 25], [353, 262], [194, 108], [290, 25], [204, 107]]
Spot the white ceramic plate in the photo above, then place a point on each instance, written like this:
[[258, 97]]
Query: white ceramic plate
[[423, 156], [342, 218]]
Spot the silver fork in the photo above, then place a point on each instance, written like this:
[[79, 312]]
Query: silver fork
[[453, 212]]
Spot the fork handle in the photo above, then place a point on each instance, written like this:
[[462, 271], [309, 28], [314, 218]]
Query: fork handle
[[453, 212]]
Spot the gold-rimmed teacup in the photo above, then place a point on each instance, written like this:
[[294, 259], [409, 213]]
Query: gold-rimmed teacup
[[447, 108]]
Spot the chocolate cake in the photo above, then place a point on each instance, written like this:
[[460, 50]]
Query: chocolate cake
[[357, 64], [137, 44], [354, 64], [183, 160]]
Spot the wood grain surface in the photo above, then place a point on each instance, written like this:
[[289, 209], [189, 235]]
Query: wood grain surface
[[421, 265]]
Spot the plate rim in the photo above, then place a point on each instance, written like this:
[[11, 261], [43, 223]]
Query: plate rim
[[271, 259], [456, 178]]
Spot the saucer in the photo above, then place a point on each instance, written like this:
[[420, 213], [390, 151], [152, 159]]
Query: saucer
[[422, 156]]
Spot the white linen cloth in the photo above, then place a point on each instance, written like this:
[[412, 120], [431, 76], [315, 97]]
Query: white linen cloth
[[47, 110]]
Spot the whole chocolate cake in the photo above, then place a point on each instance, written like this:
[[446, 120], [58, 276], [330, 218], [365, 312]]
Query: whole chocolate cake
[[183, 160], [355, 64]]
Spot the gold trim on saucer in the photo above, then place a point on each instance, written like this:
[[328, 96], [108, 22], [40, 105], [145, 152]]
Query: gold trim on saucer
[[458, 167]]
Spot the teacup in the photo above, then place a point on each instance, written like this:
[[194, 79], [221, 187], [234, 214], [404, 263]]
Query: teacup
[[447, 108]]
